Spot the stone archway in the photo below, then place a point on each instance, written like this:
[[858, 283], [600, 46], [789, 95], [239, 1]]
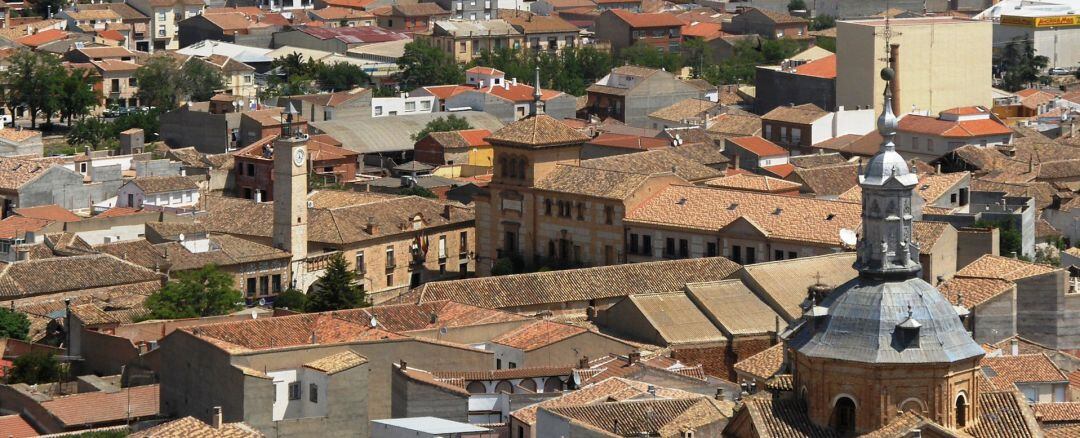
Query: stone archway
[[843, 416], [961, 410]]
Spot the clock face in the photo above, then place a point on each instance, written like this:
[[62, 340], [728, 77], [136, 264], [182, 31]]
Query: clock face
[[298, 157]]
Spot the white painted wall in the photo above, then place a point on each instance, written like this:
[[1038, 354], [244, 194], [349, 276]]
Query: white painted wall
[[405, 105], [184, 198], [118, 233]]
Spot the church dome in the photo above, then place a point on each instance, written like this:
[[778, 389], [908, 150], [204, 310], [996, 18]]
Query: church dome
[[886, 321]]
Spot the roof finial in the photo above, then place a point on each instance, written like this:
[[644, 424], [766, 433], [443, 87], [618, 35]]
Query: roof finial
[[536, 93], [887, 123]]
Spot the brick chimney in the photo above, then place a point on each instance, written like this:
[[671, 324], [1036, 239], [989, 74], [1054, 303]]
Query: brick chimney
[[371, 227], [446, 211], [583, 363], [633, 357]]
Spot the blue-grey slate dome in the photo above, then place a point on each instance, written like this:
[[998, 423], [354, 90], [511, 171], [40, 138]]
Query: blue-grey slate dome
[[863, 325]]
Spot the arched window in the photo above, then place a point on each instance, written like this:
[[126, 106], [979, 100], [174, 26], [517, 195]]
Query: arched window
[[961, 411], [528, 384], [553, 384], [843, 416], [551, 249], [547, 207], [503, 168], [521, 168], [513, 168], [913, 405], [504, 387], [475, 387]]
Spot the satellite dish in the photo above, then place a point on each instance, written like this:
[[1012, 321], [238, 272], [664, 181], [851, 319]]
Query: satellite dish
[[442, 330], [181, 237], [848, 237]]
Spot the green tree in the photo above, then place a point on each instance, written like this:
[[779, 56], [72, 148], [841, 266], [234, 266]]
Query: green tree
[[207, 291], [159, 82], [92, 132], [822, 22], [796, 5], [148, 121], [340, 76], [14, 325], [418, 191], [571, 70], [1021, 65], [199, 80], [77, 95], [646, 55], [337, 289], [33, 80], [503, 266], [442, 124], [695, 55], [292, 299], [46, 8], [1010, 239], [35, 367], [423, 64]]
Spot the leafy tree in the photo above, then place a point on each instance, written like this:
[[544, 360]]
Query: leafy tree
[[14, 325], [740, 68], [200, 80], [796, 5], [503, 266], [35, 367], [337, 289], [77, 96], [148, 121], [340, 76], [422, 192], [441, 124], [423, 64], [43, 8], [292, 299], [822, 22], [92, 132], [34, 82], [1010, 239], [207, 291], [646, 55], [1021, 65], [695, 55], [159, 82], [570, 70]]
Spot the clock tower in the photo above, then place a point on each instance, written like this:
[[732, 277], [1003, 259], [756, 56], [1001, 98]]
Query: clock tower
[[290, 189]]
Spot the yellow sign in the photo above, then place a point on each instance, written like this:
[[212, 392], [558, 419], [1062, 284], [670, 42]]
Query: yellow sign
[[1051, 21]]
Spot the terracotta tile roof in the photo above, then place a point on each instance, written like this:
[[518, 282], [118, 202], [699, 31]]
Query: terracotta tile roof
[[43, 37], [755, 183], [323, 99], [909, 421], [417, 10], [25, 279], [1064, 431], [462, 139], [485, 71], [759, 146], [537, 335], [347, 224], [51, 212], [577, 284], [191, 427], [780, 170], [541, 24], [735, 124], [336, 363], [353, 35], [788, 218], [764, 364], [933, 187], [612, 388], [652, 162], [503, 374], [683, 110], [659, 417], [453, 386], [732, 307], [271, 117], [1041, 191], [819, 68], [427, 316], [808, 161], [641, 20], [225, 250], [115, 65], [1057, 412], [707, 153], [773, 417], [974, 291], [598, 183], [952, 129], [927, 233], [1003, 268], [629, 141], [828, 180], [286, 331], [519, 93], [355, 4], [536, 132], [1005, 372], [779, 17], [1003, 414], [675, 319], [704, 30], [163, 184], [805, 114], [18, 135], [14, 172], [1059, 169], [443, 92], [89, 408], [15, 427], [339, 13]]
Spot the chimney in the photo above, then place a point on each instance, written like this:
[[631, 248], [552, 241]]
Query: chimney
[[371, 227], [583, 363], [404, 366], [894, 62], [719, 394], [446, 211], [1014, 346], [633, 357], [216, 421]]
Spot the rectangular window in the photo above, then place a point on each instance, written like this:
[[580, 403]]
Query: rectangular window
[[131, 82], [313, 393], [463, 268], [425, 105], [264, 285], [463, 242], [361, 267], [294, 391], [410, 106], [609, 214], [792, 254], [633, 243], [750, 256], [684, 248], [250, 169], [646, 245], [498, 364], [736, 253], [275, 283], [114, 86], [378, 110], [251, 287], [710, 249], [669, 247], [511, 365], [778, 254], [390, 257], [442, 247], [389, 280]]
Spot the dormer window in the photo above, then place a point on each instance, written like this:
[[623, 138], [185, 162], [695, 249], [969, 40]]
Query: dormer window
[[907, 332]]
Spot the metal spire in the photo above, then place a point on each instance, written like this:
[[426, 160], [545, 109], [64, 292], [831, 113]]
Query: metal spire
[[536, 93]]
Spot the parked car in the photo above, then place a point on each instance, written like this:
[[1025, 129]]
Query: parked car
[[1059, 71]]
